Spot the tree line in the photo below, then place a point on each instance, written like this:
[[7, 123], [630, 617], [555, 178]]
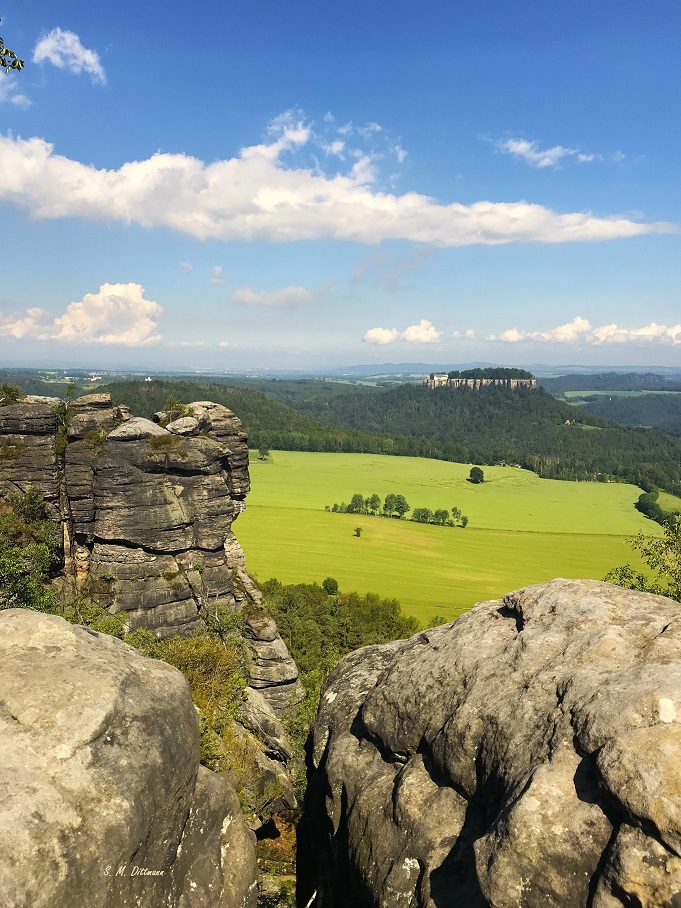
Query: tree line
[[397, 506]]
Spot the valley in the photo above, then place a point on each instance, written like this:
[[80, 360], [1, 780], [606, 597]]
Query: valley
[[522, 529]]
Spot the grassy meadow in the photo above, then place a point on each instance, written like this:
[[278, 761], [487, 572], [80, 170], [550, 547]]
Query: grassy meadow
[[522, 529]]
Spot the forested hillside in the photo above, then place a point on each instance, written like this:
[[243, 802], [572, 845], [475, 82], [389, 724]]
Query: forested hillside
[[611, 381], [529, 427], [661, 411]]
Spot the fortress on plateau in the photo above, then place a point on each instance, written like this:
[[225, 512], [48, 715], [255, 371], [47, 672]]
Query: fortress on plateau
[[515, 379]]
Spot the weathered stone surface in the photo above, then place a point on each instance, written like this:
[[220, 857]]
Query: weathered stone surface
[[259, 717], [227, 429], [136, 428], [186, 425], [27, 451], [100, 776], [527, 755], [90, 414]]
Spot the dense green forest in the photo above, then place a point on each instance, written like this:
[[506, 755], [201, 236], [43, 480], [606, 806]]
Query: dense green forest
[[661, 411], [492, 372], [611, 381]]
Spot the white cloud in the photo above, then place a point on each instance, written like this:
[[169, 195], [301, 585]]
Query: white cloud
[[422, 333], [216, 275], [650, 334], [336, 147], [464, 334], [287, 298], [33, 324], [256, 196], [64, 50], [9, 93], [580, 329], [381, 336], [533, 154], [186, 266], [116, 314]]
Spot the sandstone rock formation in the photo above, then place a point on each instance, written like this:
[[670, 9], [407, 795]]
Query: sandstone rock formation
[[27, 451], [146, 513], [102, 800], [526, 756]]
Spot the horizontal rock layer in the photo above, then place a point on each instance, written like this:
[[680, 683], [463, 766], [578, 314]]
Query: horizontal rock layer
[[526, 755]]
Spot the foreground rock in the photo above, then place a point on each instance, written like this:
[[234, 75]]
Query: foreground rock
[[102, 800], [527, 755]]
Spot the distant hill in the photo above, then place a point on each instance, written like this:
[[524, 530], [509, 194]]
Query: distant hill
[[612, 381], [529, 427]]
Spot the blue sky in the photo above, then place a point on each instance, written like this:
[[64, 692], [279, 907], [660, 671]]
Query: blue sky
[[267, 184]]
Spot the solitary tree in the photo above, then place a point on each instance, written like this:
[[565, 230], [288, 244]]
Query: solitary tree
[[476, 476], [264, 453], [358, 531]]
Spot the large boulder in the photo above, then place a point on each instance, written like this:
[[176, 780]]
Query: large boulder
[[102, 799], [527, 755]]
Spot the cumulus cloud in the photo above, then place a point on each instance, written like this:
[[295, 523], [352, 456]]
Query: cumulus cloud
[[422, 333], [116, 314], [9, 93], [464, 334], [260, 194], [64, 50], [287, 298], [533, 154], [216, 275], [580, 329], [381, 336]]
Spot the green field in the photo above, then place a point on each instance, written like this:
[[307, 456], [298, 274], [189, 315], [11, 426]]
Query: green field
[[669, 502], [522, 529]]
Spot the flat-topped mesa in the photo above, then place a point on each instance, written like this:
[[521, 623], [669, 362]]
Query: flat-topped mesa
[[514, 379], [146, 511]]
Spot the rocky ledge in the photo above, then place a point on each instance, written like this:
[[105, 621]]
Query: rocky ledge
[[102, 800], [526, 755]]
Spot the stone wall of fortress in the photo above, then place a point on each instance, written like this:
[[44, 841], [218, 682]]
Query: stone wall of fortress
[[441, 381]]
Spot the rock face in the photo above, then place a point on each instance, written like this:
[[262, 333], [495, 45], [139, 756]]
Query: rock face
[[527, 755], [27, 451], [146, 513], [102, 799]]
